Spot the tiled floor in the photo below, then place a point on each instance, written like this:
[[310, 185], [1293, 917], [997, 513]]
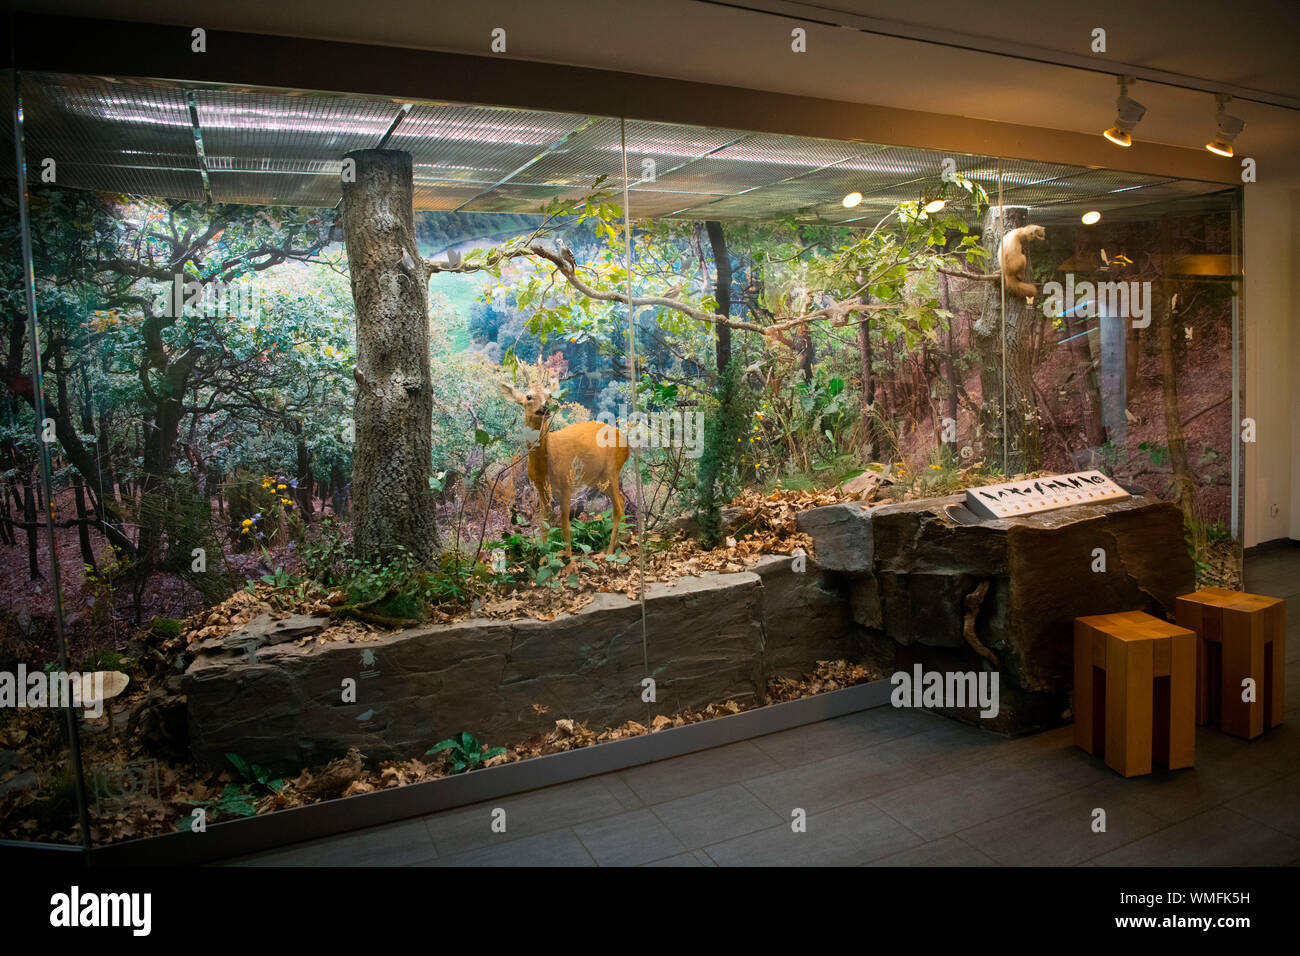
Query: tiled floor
[[886, 787]]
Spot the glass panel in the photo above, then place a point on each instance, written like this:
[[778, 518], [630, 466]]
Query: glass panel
[[846, 383], [44, 708], [1131, 360]]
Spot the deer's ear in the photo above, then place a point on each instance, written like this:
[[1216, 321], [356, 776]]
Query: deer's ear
[[510, 392]]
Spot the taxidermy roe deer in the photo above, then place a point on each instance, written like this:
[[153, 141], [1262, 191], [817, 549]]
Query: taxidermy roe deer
[[571, 458]]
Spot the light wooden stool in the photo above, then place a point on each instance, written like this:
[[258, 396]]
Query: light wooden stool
[[1134, 691], [1240, 635]]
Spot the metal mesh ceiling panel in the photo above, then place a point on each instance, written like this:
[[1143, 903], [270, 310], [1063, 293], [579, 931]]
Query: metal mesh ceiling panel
[[657, 150], [593, 150], [282, 147], [654, 203], [112, 136], [290, 127], [276, 148], [444, 196], [756, 160], [471, 144], [521, 198]]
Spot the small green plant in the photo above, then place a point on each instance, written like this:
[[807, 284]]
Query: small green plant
[[279, 579], [390, 588], [237, 799], [107, 659], [256, 774], [324, 552], [1159, 454], [465, 751], [165, 627], [455, 580]]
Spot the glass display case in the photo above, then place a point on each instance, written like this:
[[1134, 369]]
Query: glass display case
[[310, 365]]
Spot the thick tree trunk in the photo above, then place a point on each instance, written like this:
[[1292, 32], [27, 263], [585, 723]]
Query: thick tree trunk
[[722, 290], [160, 446], [1021, 445], [392, 456]]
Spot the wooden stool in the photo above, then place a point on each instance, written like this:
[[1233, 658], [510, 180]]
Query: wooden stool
[[1240, 635], [1134, 691]]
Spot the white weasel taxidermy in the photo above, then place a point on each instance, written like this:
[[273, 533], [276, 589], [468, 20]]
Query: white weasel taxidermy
[[1013, 259]]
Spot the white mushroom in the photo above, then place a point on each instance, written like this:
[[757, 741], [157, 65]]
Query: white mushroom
[[99, 687]]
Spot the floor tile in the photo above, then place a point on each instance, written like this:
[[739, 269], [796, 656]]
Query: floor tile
[[1218, 837], [704, 818], [846, 836], [813, 742], [1277, 805], [1174, 795], [680, 859], [694, 773], [557, 848], [395, 844], [527, 814], [620, 791], [946, 851], [1060, 831], [628, 839], [945, 804]]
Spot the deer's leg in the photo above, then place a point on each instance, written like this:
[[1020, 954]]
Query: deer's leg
[[616, 496], [543, 509], [564, 525]]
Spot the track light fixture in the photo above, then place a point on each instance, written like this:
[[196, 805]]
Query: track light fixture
[[1128, 113], [1228, 128]]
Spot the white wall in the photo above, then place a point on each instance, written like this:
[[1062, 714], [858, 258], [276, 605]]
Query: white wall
[[1271, 254], [1294, 381]]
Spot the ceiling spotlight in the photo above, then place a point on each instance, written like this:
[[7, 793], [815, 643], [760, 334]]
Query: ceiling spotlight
[[1229, 127], [1090, 218], [1128, 113], [934, 205], [852, 199]]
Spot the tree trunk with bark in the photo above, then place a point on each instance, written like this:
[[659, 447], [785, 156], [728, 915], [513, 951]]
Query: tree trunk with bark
[[392, 455], [1021, 445], [721, 291]]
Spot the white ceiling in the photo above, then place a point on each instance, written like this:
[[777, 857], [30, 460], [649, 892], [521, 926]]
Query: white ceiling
[[1250, 45]]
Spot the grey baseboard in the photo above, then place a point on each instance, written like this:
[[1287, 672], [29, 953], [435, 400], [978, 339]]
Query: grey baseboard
[[236, 838]]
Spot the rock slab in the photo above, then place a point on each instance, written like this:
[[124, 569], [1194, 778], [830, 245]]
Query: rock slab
[[499, 680]]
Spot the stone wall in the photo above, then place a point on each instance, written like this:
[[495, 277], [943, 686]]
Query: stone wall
[[707, 639]]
